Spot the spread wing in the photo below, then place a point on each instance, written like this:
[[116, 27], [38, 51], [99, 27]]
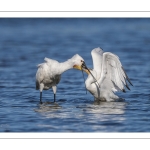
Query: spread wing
[[111, 69], [97, 57]]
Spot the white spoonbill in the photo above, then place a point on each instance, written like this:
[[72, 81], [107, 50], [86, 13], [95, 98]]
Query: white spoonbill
[[49, 73], [109, 73]]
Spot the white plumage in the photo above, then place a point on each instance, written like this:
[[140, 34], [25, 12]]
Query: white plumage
[[109, 73], [49, 73]]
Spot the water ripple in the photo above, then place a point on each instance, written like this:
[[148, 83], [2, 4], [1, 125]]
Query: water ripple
[[25, 42]]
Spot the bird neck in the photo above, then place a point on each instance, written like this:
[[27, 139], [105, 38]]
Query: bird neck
[[90, 79], [64, 66]]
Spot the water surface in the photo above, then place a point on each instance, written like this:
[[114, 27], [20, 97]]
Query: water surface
[[24, 43]]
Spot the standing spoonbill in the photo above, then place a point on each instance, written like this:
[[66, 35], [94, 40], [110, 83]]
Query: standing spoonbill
[[49, 73], [109, 73]]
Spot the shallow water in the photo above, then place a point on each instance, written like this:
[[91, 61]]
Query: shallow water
[[25, 42]]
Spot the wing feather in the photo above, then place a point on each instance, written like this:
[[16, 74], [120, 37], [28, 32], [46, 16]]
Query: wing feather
[[112, 69], [97, 56]]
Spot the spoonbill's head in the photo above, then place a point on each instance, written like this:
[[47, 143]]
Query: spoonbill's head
[[77, 62]]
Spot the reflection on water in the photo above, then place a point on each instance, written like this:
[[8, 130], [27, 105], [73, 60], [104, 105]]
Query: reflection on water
[[47, 106], [110, 107], [104, 107], [97, 115]]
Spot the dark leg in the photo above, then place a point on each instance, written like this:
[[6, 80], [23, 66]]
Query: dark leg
[[54, 91], [54, 97], [41, 97]]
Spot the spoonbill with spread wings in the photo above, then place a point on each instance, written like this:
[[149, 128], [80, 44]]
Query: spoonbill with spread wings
[[109, 73]]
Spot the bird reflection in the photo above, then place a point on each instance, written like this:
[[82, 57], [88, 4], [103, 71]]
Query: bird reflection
[[47, 106], [108, 107]]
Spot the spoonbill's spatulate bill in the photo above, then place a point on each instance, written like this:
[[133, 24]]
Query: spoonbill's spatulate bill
[[49, 73], [109, 73]]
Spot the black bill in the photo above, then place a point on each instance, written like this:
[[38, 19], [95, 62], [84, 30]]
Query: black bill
[[84, 80], [85, 67]]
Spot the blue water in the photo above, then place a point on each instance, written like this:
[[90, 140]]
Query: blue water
[[25, 42]]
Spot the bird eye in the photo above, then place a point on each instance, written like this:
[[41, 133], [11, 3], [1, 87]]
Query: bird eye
[[81, 60]]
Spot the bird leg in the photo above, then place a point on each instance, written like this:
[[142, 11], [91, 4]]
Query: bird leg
[[41, 97], [54, 91], [41, 89], [54, 98]]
